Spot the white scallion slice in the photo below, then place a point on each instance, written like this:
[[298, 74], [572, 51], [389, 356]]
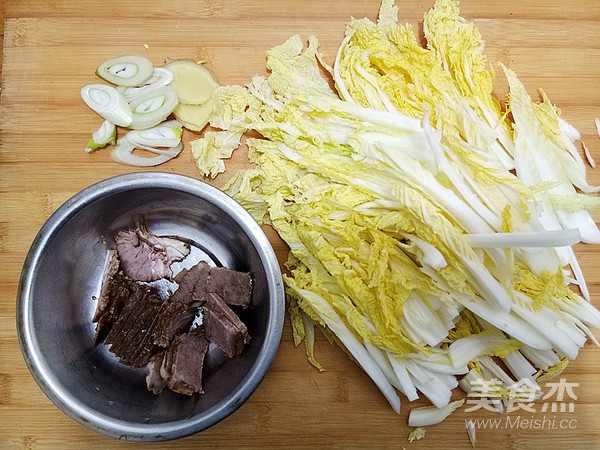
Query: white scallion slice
[[123, 153], [167, 134], [152, 107], [430, 415], [160, 77], [106, 134], [129, 70], [107, 102]]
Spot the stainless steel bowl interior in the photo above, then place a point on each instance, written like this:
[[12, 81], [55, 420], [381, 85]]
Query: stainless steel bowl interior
[[62, 274]]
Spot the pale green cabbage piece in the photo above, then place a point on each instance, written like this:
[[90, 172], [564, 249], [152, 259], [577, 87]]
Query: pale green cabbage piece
[[213, 149], [417, 434]]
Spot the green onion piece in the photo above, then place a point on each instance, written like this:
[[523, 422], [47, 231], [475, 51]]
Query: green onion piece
[[167, 134], [123, 153], [152, 107], [130, 70], [107, 102], [160, 77], [106, 134]]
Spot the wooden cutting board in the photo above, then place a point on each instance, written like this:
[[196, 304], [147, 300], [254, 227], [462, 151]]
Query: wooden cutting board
[[51, 49]]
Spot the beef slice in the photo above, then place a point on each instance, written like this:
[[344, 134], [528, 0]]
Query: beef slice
[[235, 288], [192, 284], [183, 362], [147, 257], [173, 318], [111, 267], [116, 293], [223, 327], [195, 283]]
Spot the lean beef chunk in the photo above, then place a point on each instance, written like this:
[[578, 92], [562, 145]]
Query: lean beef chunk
[[116, 291], [139, 350], [182, 364], [146, 257], [234, 287], [223, 327], [173, 318], [146, 348], [192, 284], [133, 326]]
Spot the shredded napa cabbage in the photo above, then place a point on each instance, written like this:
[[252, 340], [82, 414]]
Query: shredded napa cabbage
[[376, 185]]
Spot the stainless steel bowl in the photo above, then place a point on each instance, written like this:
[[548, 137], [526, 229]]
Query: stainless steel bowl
[[62, 273]]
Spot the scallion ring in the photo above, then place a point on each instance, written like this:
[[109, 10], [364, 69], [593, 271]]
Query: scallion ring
[[107, 102], [130, 70], [152, 107]]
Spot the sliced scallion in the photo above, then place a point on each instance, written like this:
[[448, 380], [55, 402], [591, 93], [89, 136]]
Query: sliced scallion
[[160, 77], [106, 134], [167, 134], [123, 153], [152, 107], [107, 102], [129, 70]]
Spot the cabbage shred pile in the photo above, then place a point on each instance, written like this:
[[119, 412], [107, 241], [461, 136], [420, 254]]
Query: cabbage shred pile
[[430, 229]]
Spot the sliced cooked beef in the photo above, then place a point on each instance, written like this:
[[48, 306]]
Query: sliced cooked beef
[[192, 284], [223, 327], [143, 330], [111, 267], [128, 317], [182, 365], [146, 257], [146, 348], [137, 350], [126, 336], [234, 287], [167, 364], [173, 318], [128, 313], [154, 381], [117, 291]]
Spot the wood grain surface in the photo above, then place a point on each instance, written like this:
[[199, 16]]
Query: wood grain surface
[[51, 49]]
